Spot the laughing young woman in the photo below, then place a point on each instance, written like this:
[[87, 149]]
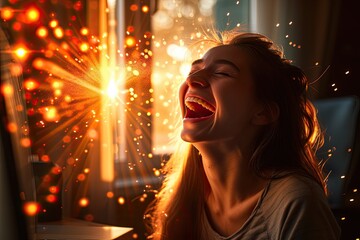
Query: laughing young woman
[[249, 169]]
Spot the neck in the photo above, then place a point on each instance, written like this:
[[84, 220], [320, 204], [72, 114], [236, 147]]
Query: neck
[[231, 180]]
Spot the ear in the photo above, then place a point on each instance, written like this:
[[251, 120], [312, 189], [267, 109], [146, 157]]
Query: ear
[[266, 114]]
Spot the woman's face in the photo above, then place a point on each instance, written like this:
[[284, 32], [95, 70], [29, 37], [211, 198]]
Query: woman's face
[[218, 99]]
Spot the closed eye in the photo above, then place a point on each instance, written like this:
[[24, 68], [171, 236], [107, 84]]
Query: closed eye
[[223, 74]]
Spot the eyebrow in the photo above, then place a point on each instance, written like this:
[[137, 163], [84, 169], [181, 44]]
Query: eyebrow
[[219, 61]]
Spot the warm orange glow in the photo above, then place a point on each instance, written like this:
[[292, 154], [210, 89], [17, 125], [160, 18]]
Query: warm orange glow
[[31, 208], [84, 31], [70, 161], [86, 170], [134, 7], [6, 13], [53, 23], [130, 41], [83, 202], [81, 177], [112, 91], [58, 32], [135, 236], [42, 32], [66, 139], [7, 90], [57, 93], [109, 194], [51, 198], [31, 84], [89, 217], [19, 108], [21, 52], [92, 133], [25, 142], [67, 98], [121, 200], [145, 9], [84, 47], [57, 84], [45, 158], [38, 63], [32, 14], [12, 127], [50, 114], [54, 189], [17, 26], [16, 69]]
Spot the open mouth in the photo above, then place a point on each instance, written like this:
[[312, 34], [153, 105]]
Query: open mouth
[[198, 108]]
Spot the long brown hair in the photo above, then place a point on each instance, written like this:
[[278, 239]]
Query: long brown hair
[[289, 144]]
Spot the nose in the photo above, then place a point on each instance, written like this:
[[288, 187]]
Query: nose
[[197, 80]]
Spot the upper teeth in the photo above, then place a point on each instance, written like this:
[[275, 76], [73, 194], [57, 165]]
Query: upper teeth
[[204, 104]]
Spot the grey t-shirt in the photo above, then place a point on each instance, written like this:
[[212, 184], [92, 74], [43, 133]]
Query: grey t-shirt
[[292, 207]]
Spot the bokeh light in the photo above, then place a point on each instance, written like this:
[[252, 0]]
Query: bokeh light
[[31, 208], [32, 14], [84, 202], [6, 13]]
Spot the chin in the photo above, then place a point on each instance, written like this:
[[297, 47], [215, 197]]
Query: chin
[[189, 137]]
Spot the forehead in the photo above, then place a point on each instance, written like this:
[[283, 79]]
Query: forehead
[[234, 54]]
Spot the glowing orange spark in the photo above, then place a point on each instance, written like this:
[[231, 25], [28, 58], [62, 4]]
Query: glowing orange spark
[[25, 142], [17, 26], [59, 32], [32, 14], [121, 200], [130, 41], [16, 69], [84, 47], [6, 13], [53, 23], [21, 52], [7, 90], [51, 198], [67, 98], [56, 170], [83, 202], [45, 158], [38, 63], [81, 177], [12, 127], [134, 7], [84, 31], [54, 189], [31, 208], [50, 114], [66, 139], [57, 92], [31, 84], [92, 133], [42, 32], [109, 194], [57, 85], [145, 9]]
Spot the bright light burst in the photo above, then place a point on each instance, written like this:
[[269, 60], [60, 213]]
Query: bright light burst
[[77, 97], [90, 93]]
